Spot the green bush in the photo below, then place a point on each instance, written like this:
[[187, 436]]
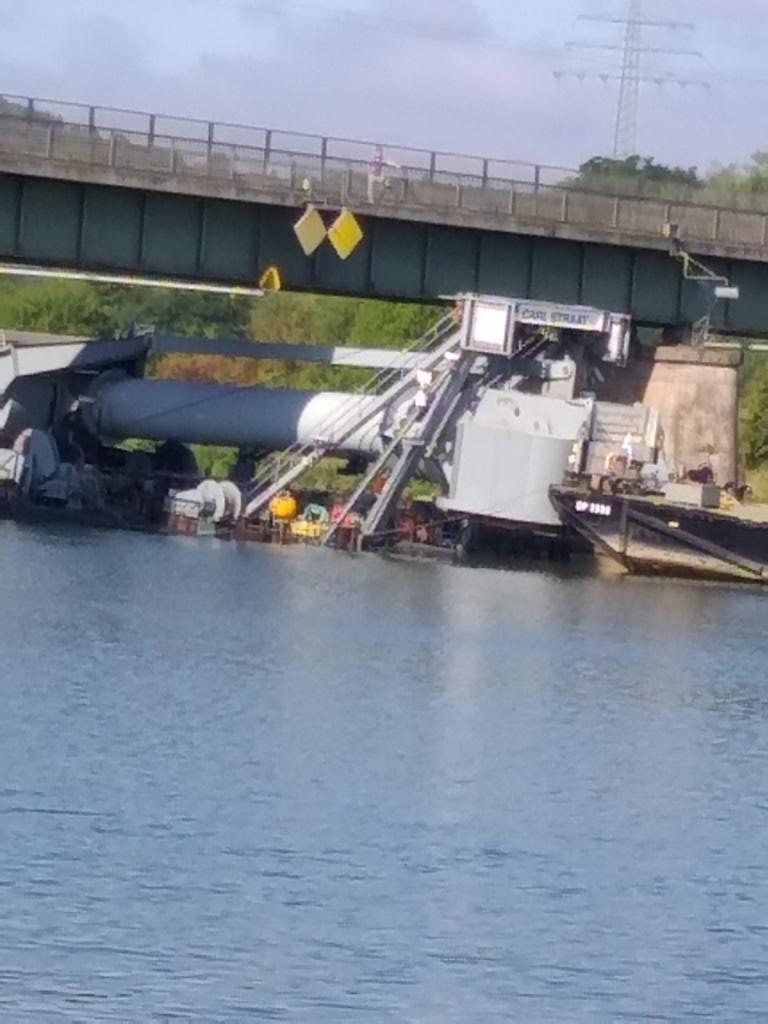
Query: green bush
[[754, 415]]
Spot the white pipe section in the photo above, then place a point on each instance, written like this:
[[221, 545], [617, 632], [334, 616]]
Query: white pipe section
[[174, 283], [333, 355], [194, 413]]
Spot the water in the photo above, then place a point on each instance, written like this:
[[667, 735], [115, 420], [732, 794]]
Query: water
[[242, 784]]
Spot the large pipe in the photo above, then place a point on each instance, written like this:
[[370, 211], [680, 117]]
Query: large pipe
[[194, 413]]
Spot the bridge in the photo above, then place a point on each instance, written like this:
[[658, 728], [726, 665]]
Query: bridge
[[90, 188]]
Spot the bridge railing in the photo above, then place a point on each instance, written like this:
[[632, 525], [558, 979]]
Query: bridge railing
[[342, 171], [153, 126]]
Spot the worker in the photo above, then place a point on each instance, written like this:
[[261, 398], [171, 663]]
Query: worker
[[421, 398], [627, 448], [421, 401]]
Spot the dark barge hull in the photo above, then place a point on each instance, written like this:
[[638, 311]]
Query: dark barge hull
[[18, 509], [652, 536]]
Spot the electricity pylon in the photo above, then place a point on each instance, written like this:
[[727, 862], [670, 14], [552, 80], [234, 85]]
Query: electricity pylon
[[632, 74]]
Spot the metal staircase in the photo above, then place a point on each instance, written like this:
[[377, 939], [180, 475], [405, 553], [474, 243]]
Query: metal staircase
[[387, 386], [612, 424], [416, 440]]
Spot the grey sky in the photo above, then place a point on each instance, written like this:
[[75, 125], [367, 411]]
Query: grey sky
[[467, 75]]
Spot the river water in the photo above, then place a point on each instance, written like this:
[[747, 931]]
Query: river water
[[247, 783]]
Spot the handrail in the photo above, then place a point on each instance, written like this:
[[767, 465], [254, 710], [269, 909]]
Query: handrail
[[484, 166], [31, 109], [265, 160]]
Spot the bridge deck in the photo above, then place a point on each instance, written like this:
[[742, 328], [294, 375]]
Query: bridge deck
[[223, 161]]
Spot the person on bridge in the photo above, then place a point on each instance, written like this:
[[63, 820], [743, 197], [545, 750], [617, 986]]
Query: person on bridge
[[376, 171]]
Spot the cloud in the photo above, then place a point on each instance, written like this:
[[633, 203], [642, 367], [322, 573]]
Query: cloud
[[695, 10], [435, 74], [431, 75]]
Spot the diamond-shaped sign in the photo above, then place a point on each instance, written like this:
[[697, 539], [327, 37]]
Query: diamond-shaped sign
[[345, 234], [310, 230]]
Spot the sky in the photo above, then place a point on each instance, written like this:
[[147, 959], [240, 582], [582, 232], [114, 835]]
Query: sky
[[474, 76]]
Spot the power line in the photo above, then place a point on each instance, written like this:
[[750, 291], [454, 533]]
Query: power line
[[632, 74], [369, 23], [659, 78], [640, 49], [362, 21], [646, 22]]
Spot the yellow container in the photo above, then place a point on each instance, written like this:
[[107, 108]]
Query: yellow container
[[284, 506], [307, 530]]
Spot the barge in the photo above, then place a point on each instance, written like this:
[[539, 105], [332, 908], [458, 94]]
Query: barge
[[691, 531], [685, 532], [542, 428]]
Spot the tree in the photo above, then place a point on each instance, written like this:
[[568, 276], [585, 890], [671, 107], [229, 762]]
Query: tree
[[747, 181], [754, 415], [58, 307], [637, 169], [105, 310], [287, 316], [175, 312], [391, 324]]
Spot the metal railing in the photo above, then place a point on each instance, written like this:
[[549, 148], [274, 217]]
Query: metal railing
[[214, 135], [294, 166]]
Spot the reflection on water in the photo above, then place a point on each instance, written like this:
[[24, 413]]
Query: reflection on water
[[285, 784]]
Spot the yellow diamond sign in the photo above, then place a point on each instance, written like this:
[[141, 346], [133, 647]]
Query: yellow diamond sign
[[310, 230], [345, 234]]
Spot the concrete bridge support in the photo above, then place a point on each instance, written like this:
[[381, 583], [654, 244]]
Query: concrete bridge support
[[697, 394], [696, 391]]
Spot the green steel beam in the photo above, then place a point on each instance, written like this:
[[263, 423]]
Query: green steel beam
[[124, 231]]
